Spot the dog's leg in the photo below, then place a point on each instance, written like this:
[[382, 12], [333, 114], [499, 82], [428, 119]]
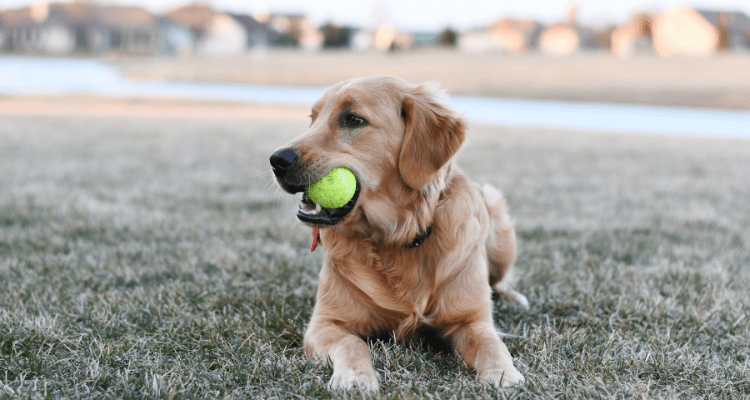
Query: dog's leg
[[481, 349], [348, 354], [501, 247]]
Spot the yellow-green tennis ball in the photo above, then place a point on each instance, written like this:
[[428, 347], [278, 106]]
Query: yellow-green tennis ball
[[334, 189]]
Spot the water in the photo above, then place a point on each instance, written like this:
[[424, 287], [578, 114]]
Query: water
[[44, 76]]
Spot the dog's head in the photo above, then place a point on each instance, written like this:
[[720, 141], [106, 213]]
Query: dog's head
[[395, 137]]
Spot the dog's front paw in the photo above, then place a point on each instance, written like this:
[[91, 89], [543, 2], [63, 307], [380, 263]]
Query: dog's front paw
[[502, 377], [348, 379]]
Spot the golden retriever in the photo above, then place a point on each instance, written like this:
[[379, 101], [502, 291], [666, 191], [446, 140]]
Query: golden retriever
[[418, 245]]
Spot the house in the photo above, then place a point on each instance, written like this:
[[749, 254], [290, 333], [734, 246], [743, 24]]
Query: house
[[223, 37], [258, 33], [504, 36], [58, 28], [362, 40], [387, 37], [566, 38], [476, 41], [174, 38], [20, 30], [214, 33], [79, 20], [633, 37], [515, 35], [129, 29], [63, 28], [685, 31], [298, 26], [383, 38], [733, 27]]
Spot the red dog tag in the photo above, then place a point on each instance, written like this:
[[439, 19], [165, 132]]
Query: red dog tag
[[316, 236]]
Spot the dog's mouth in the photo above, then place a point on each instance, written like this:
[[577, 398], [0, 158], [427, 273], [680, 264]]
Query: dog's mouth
[[314, 214]]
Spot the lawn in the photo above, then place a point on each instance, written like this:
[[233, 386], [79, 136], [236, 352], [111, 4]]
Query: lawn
[[154, 258]]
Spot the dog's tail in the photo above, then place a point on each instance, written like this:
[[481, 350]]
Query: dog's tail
[[501, 246]]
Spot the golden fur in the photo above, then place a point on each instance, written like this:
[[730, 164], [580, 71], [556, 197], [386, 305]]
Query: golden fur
[[404, 161]]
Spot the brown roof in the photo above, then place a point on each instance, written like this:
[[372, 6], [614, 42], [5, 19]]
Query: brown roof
[[126, 16], [521, 25], [77, 11], [16, 16], [195, 16]]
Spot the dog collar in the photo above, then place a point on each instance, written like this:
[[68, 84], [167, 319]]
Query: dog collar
[[421, 236]]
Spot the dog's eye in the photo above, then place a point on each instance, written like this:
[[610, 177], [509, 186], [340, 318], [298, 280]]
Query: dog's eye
[[353, 120]]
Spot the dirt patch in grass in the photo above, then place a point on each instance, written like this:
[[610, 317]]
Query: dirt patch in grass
[[152, 257]]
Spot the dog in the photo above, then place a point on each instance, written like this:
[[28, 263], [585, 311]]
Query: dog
[[418, 245]]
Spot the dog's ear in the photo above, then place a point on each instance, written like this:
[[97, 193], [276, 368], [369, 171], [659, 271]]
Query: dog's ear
[[433, 135]]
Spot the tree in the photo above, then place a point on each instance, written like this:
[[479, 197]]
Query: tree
[[447, 37], [336, 36]]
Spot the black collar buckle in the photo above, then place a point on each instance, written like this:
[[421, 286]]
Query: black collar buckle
[[421, 236]]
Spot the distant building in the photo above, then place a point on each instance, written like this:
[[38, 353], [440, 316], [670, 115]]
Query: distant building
[[504, 36], [385, 37], [633, 37], [566, 39], [258, 33], [214, 33], [307, 36], [130, 30], [476, 41], [515, 35], [733, 28], [685, 31], [174, 38], [362, 40], [75, 23], [63, 28], [224, 36], [195, 17], [21, 31]]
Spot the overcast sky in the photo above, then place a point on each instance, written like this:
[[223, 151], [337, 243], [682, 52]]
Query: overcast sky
[[434, 15]]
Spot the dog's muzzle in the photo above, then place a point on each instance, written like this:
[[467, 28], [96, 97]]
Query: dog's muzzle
[[288, 170]]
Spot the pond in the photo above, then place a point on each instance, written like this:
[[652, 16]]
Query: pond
[[64, 76]]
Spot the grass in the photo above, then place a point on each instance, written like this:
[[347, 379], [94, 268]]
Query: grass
[[147, 258]]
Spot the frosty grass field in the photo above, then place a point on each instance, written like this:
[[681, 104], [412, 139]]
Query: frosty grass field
[[148, 258]]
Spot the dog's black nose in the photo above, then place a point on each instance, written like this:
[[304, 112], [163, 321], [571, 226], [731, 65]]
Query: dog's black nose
[[282, 159]]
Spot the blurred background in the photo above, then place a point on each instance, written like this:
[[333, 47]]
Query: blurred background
[[540, 63]]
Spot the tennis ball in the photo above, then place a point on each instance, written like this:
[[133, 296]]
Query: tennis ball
[[334, 189]]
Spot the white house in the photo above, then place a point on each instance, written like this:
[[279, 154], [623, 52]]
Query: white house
[[215, 33]]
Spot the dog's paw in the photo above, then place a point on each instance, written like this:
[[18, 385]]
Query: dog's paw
[[348, 379], [502, 377]]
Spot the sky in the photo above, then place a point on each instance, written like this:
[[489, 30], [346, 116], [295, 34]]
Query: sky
[[429, 16]]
